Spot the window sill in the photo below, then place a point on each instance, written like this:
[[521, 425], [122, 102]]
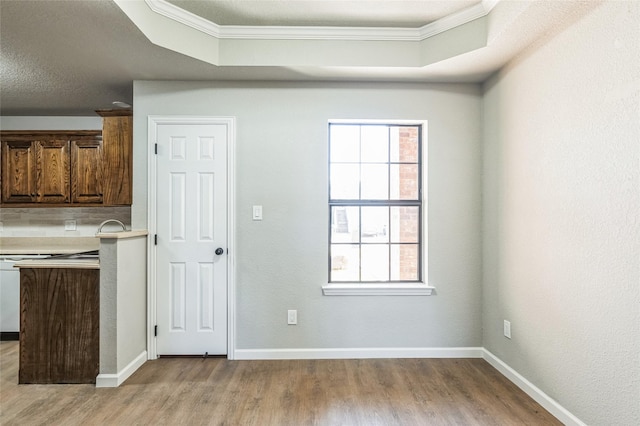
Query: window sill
[[374, 289]]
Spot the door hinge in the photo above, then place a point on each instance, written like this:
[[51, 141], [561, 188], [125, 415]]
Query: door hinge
[[155, 331], [155, 240], [156, 149]]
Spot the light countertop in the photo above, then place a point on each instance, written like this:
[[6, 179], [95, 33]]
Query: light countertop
[[123, 234], [47, 245], [51, 263], [60, 245]]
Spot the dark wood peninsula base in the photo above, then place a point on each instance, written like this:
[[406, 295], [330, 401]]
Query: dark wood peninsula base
[[59, 325]]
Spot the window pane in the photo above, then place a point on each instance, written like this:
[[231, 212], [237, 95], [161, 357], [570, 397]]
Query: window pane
[[345, 262], [404, 262], [375, 262], [404, 182], [374, 198], [375, 144], [375, 182], [405, 224], [345, 224], [404, 144], [375, 224], [394, 145], [345, 181], [345, 143]]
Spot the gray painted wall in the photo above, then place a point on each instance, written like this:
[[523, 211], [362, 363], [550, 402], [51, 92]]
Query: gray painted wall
[[108, 306], [131, 285], [123, 302], [282, 165], [561, 235]]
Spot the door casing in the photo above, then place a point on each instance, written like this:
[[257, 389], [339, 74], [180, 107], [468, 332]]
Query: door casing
[[153, 122]]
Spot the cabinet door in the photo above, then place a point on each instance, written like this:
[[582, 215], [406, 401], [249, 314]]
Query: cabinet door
[[86, 171], [117, 147], [52, 171], [18, 171], [59, 325]]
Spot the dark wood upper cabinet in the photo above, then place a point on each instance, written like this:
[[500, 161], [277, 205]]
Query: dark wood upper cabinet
[[117, 136], [69, 168], [18, 171], [35, 170], [52, 171], [86, 171]]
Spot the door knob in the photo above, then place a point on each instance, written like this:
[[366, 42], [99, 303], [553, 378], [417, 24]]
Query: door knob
[[219, 251]]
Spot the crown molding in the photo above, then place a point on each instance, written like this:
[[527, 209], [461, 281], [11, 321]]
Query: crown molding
[[185, 17], [192, 20], [454, 20]]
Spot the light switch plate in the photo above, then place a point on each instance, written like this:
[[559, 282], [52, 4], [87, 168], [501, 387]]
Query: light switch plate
[[507, 329], [70, 225], [257, 212]]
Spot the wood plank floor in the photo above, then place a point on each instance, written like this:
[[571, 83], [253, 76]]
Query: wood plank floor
[[216, 391]]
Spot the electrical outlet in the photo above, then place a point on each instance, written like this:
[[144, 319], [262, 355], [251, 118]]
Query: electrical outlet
[[292, 317], [70, 225], [507, 329]]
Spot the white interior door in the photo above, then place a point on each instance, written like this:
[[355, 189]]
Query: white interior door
[[191, 256]]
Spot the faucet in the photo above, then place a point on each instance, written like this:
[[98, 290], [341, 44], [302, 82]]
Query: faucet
[[124, 228]]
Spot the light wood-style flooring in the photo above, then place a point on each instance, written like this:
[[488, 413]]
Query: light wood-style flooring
[[216, 391]]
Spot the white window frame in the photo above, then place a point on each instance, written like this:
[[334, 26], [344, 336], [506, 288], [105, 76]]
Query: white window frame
[[421, 288]]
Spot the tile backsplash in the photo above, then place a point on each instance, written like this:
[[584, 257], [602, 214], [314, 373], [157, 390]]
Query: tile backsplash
[[49, 222]]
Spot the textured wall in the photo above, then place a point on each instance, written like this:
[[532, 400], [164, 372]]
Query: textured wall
[[561, 234], [282, 165]]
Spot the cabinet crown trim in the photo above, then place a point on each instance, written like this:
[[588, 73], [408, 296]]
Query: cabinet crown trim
[[66, 133], [114, 112]]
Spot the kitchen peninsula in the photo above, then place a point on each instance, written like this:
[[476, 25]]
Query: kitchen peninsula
[[83, 320]]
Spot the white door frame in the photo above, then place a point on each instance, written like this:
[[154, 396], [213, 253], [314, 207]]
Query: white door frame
[[153, 122]]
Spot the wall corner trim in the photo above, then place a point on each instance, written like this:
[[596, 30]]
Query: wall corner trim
[[532, 390]]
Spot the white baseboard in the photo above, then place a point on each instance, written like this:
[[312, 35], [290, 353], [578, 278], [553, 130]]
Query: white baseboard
[[357, 353], [550, 404], [115, 380]]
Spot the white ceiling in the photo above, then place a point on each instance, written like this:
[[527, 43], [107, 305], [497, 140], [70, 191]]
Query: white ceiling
[[72, 57], [356, 13]]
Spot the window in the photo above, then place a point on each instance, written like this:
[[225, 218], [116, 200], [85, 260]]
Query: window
[[375, 205]]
